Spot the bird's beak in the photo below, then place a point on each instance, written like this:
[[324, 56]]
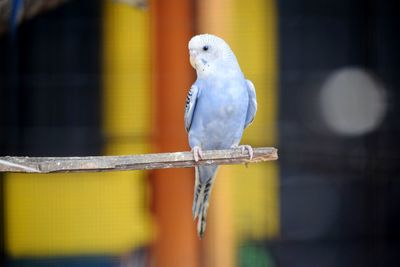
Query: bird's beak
[[192, 57], [192, 53], [192, 62]]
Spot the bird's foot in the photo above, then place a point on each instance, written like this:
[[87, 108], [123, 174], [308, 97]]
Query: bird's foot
[[243, 148], [197, 153]]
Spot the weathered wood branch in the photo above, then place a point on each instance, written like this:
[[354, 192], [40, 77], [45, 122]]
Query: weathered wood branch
[[132, 162]]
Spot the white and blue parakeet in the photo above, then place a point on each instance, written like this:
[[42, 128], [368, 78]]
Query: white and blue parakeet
[[219, 106]]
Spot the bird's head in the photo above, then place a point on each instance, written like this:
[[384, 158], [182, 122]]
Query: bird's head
[[209, 52]]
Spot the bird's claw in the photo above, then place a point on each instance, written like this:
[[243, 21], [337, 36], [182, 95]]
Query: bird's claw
[[197, 153], [243, 148]]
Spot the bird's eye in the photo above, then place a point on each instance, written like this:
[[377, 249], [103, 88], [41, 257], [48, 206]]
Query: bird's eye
[[205, 48]]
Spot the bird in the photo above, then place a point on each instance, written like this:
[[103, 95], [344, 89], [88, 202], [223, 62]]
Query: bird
[[220, 104]]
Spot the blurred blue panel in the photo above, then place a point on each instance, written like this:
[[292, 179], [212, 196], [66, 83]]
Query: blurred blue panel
[[64, 262]]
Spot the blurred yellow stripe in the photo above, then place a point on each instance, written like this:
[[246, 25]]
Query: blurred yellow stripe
[[256, 189], [245, 201], [126, 69], [256, 50], [127, 104]]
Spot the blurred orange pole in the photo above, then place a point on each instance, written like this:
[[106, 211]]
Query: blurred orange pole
[[172, 27], [219, 247]]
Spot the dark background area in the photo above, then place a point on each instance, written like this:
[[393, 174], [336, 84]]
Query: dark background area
[[50, 84], [339, 194]]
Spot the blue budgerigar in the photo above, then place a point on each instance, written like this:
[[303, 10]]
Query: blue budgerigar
[[219, 106]]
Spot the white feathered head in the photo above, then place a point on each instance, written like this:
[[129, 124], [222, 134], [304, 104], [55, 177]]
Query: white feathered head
[[208, 52]]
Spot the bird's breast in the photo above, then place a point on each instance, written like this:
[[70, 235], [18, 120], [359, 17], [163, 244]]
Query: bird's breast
[[220, 114]]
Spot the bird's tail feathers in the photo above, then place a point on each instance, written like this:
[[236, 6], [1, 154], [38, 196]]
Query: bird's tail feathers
[[203, 186]]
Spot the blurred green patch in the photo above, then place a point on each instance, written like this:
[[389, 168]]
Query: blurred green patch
[[253, 255]]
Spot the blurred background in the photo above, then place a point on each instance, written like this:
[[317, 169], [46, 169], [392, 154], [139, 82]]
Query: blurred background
[[111, 77]]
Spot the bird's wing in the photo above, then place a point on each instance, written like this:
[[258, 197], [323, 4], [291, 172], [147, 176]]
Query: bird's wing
[[191, 101], [252, 108]]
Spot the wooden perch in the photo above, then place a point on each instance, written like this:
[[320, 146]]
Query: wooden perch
[[132, 162]]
